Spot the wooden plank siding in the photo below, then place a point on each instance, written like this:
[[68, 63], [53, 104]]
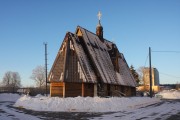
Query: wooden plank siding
[[73, 89], [56, 89], [79, 89], [69, 89], [72, 67], [118, 90], [89, 90]]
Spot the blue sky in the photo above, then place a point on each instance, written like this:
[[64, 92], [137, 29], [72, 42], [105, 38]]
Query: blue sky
[[133, 25]]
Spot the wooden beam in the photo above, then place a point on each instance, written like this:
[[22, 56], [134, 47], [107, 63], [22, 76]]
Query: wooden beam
[[64, 88], [50, 90], [82, 89], [95, 90], [66, 57]]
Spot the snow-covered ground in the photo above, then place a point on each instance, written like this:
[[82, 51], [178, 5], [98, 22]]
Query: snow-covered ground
[[7, 113], [169, 94], [123, 108], [159, 111], [9, 97]]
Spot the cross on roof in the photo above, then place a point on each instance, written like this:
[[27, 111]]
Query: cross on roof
[[99, 15]]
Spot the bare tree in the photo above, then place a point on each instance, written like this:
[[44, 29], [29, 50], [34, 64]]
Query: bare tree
[[140, 71], [7, 79], [16, 81], [38, 75], [11, 79]]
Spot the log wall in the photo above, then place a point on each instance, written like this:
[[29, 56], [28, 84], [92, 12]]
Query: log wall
[[118, 90], [56, 89], [69, 89], [89, 90], [73, 89]]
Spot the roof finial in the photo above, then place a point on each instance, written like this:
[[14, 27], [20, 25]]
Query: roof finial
[[99, 18], [99, 15], [99, 28]]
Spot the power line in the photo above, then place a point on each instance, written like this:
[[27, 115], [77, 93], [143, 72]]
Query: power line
[[167, 51], [169, 75], [146, 60], [45, 45]]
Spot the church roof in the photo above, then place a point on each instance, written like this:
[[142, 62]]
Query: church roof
[[99, 55], [95, 61]]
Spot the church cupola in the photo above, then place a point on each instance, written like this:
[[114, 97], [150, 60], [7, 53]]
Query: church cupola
[[99, 28]]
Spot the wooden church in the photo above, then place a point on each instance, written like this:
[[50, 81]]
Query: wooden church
[[89, 65]]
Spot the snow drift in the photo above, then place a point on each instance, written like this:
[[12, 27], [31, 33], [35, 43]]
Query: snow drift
[[82, 104]]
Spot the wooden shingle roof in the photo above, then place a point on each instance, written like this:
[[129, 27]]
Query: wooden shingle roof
[[100, 57]]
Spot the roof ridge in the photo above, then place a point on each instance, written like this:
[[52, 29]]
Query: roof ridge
[[93, 33]]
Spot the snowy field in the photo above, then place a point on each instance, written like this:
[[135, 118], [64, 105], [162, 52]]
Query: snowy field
[[114, 108]]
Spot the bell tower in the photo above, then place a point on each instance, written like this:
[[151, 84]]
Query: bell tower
[[99, 28]]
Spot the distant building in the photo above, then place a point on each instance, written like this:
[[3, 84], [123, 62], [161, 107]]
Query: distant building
[[155, 76], [89, 65], [146, 80]]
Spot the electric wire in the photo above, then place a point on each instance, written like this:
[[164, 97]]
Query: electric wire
[[167, 51], [164, 52], [169, 75], [146, 60]]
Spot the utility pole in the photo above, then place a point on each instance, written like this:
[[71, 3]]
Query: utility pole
[[150, 72], [45, 44]]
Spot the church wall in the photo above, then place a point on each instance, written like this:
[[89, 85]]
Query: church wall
[[115, 90], [56, 89], [128, 91], [133, 91], [73, 89], [72, 67], [68, 89], [57, 72], [118, 90], [89, 90]]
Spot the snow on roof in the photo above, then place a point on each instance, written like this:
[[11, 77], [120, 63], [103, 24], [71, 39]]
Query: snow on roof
[[99, 54], [125, 74], [84, 61]]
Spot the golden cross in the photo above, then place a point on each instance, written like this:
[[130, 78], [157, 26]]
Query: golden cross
[[99, 15]]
